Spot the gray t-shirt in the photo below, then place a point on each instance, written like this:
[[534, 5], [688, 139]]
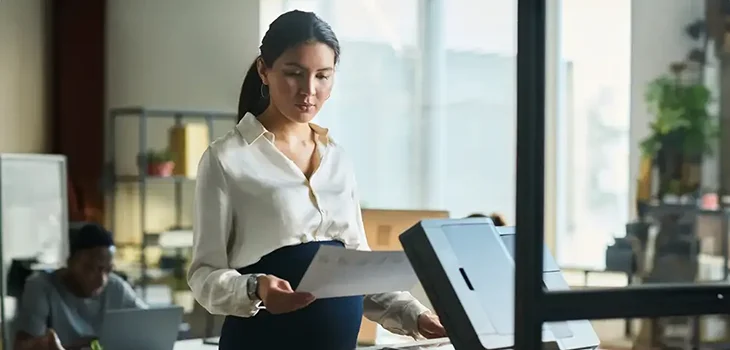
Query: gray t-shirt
[[46, 303]]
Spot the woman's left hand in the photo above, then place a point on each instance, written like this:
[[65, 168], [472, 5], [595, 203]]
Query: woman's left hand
[[430, 326]]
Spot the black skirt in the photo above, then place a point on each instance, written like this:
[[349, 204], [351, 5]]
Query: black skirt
[[325, 324]]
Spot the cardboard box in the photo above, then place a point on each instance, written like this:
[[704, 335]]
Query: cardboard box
[[382, 228]]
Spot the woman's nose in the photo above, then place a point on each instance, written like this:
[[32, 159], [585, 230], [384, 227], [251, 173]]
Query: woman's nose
[[308, 87]]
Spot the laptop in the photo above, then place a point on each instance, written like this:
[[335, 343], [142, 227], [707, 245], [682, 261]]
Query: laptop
[[141, 329]]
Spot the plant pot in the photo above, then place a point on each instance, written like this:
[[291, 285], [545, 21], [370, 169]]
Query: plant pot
[[164, 169], [679, 174]]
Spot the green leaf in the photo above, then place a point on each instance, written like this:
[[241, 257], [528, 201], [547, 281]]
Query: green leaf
[[681, 118]]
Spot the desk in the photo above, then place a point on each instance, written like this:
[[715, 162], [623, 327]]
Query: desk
[[197, 344], [193, 344], [435, 344]]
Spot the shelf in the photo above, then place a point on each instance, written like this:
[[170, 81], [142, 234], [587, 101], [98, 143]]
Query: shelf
[[151, 179], [135, 111], [170, 239], [111, 180]]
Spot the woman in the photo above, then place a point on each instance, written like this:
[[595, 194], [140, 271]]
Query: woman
[[273, 190]]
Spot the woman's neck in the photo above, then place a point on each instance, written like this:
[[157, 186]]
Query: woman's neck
[[283, 128]]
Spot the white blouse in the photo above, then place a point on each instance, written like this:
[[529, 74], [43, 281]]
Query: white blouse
[[250, 199]]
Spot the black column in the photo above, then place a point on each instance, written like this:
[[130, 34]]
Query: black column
[[530, 173]]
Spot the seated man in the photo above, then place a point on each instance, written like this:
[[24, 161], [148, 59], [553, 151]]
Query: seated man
[[66, 306]]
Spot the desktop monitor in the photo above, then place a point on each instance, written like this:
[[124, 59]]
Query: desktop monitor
[[467, 271], [33, 217]]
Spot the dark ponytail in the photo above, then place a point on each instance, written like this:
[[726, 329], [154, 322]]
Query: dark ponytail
[[251, 99], [287, 31]]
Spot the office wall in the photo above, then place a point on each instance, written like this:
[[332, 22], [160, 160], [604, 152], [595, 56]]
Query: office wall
[[23, 76], [657, 40], [183, 54]]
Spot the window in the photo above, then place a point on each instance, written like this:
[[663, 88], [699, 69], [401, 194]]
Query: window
[[426, 134], [480, 40], [374, 109], [595, 41]]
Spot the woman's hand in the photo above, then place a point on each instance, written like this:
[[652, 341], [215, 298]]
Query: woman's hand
[[430, 326], [278, 297]]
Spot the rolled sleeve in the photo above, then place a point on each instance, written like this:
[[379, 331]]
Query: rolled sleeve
[[397, 312]]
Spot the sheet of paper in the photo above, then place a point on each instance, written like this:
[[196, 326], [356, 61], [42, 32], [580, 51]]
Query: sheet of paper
[[339, 272]]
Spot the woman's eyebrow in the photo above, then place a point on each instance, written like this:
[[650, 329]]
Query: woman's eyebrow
[[297, 65]]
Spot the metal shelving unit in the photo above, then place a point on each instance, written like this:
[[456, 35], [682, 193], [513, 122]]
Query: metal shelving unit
[[142, 179]]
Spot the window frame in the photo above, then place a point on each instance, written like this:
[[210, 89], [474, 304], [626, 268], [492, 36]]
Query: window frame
[[536, 306]]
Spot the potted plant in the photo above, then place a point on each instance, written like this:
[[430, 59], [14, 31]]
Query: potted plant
[[682, 130], [158, 162]]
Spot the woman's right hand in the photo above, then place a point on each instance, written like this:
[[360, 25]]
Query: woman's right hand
[[278, 296]]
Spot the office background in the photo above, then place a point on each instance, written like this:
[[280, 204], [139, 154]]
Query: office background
[[425, 100], [193, 56]]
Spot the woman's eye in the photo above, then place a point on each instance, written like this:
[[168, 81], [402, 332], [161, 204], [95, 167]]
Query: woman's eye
[[323, 77], [292, 74]]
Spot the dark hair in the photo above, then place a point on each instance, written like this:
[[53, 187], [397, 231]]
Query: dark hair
[[90, 236], [497, 218], [287, 31]]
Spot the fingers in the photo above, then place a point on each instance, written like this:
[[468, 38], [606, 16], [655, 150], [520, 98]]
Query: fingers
[[434, 333], [430, 326], [283, 285], [282, 301], [428, 335], [293, 301], [279, 297], [300, 300]]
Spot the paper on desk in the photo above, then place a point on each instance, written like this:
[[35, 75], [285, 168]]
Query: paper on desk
[[339, 272]]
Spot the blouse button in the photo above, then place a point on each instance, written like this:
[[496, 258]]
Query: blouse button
[[303, 238]]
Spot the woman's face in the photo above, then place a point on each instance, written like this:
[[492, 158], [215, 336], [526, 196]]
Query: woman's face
[[301, 80]]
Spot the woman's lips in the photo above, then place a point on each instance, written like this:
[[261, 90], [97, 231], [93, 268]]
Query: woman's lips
[[304, 107]]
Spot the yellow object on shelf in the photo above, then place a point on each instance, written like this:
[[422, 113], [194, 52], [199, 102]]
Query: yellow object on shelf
[[644, 182], [187, 144]]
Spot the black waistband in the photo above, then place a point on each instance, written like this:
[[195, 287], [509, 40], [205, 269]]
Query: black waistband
[[288, 262]]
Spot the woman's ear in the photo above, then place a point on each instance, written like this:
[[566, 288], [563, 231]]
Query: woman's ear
[[263, 71]]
